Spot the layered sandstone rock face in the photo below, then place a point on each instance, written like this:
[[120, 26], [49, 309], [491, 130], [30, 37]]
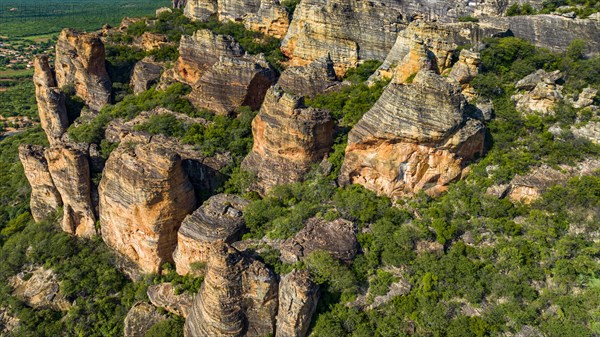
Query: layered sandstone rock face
[[232, 83], [140, 318], [416, 137], [336, 237], [348, 30], [145, 74], [80, 62], [298, 297], [219, 218], [50, 100], [538, 92], [308, 81], [288, 139], [164, 296], [70, 170], [144, 196], [238, 297], [266, 16], [45, 199]]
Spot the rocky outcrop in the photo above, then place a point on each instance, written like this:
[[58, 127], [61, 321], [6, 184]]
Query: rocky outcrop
[[201, 51], [465, 70], [590, 131], [538, 92], [553, 32], [266, 16], [45, 199], [219, 218], [144, 196], [39, 288], [298, 297], [232, 83], [238, 297], [69, 168], [288, 139], [146, 73], [149, 41], [50, 100], [316, 78], [416, 137], [348, 30], [8, 322], [140, 318], [80, 62], [338, 238], [164, 296], [179, 4], [586, 98]]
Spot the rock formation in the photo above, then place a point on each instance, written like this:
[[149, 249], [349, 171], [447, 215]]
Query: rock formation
[[336, 237], [50, 100], [164, 296], [298, 297], [316, 78], [232, 83], [219, 218], [266, 16], [348, 30], [590, 131], [538, 92], [39, 288], [145, 74], [465, 70], [149, 41], [179, 4], [45, 199], [144, 196], [417, 136], [140, 318], [288, 139], [70, 171], [238, 297], [80, 62]]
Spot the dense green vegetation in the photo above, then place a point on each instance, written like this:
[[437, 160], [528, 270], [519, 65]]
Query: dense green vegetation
[[19, 100], [581, 8], [33, 17]]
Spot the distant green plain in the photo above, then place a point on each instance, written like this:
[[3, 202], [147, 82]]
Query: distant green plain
[[19, 18]]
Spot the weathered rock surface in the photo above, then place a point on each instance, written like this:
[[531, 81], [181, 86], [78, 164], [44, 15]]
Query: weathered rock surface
[[145, 74], [538, 92], [45, 199], [591, 131], [266, 16], [553, 32], [164, 296], [288, 139], [149, 41], [69, 168], [140, 318], [233, 82], [335, 237], [80, 62], [144, 196], [238, 297], [39, 288], [416, 137], [298, 297], [348, 30], [316, 78], [179, 4], [50, 100], [219, 218], [8, 322]]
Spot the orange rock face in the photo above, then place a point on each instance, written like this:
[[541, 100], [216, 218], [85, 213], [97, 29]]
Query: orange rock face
[[144, 196]]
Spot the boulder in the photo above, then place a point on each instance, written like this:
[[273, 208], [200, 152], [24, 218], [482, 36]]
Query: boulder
[[140, 318], [219, 218], [316, 78], [39, 288], [80, 62], [146, 73], [538, 92], [164, 296], [45, 199], [288, 139], [144, 196]]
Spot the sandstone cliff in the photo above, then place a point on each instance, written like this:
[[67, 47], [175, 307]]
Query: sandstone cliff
[[69, 168], [45, 199], [219, 218], [316, 78], [144, 196], [417, 136], [298, 297], [288, 139], [80, 62], [348, 30], [238, 297], [146, 73], [50, 100]]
